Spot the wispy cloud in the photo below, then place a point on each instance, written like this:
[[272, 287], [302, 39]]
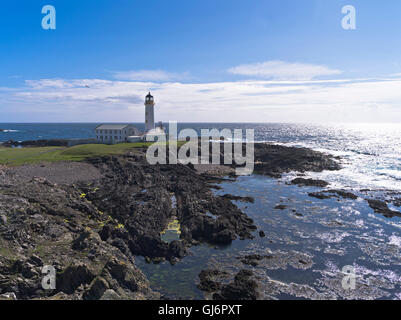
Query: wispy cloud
[[281, 70], [149, 75], [257, 101], [64, 84]]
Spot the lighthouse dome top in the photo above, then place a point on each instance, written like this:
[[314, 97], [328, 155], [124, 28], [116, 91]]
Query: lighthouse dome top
[[149, 98]]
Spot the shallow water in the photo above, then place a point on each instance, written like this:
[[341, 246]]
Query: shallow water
[[310, 242]]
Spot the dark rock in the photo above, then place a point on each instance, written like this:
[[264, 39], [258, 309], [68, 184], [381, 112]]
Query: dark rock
[[310, 182], [274, 160], [209, 280], [126, 276], [327, 194], [319, 195], [238, 198], [154, 209], [252, 260], [37, 143], [242, 288], [62, 229], [344, 194], [72, 277], [280, 207], [224, 237], [110, 294], [381, 207], [122, 246], [262, 234], [35, 260], [96, 289], [177, 249]]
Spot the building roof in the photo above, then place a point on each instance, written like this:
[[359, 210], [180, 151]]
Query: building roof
[[112, 126]]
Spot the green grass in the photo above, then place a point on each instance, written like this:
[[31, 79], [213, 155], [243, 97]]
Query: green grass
[[29, 155], [15, 157]]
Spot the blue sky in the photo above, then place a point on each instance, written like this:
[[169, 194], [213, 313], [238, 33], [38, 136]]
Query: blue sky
[[209, 60]]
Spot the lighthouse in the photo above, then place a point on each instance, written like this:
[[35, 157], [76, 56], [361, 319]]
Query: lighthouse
[[149, 113]]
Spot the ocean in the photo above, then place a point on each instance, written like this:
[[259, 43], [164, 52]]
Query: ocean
[[371, 153], [311, 240]]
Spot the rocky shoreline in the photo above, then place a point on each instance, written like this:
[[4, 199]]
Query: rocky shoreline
[[36, 143], [91, 227]]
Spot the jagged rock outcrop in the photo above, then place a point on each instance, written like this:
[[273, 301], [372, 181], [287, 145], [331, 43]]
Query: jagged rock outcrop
[[50, 224], [381, 207], [242, 287], [139, 196], [274, 160], [309, 182]]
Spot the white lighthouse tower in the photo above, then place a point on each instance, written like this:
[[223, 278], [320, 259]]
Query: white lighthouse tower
[[149, 113]]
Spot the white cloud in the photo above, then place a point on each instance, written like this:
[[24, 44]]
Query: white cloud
[[338, 100], [281, 70], [148, 75], [63, 84]]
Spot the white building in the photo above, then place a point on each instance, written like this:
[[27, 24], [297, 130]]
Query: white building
[[115, 133]]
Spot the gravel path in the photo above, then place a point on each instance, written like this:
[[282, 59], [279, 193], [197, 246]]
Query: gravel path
[[57, 172]]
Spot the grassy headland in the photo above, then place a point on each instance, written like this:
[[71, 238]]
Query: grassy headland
[[20, 156]]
